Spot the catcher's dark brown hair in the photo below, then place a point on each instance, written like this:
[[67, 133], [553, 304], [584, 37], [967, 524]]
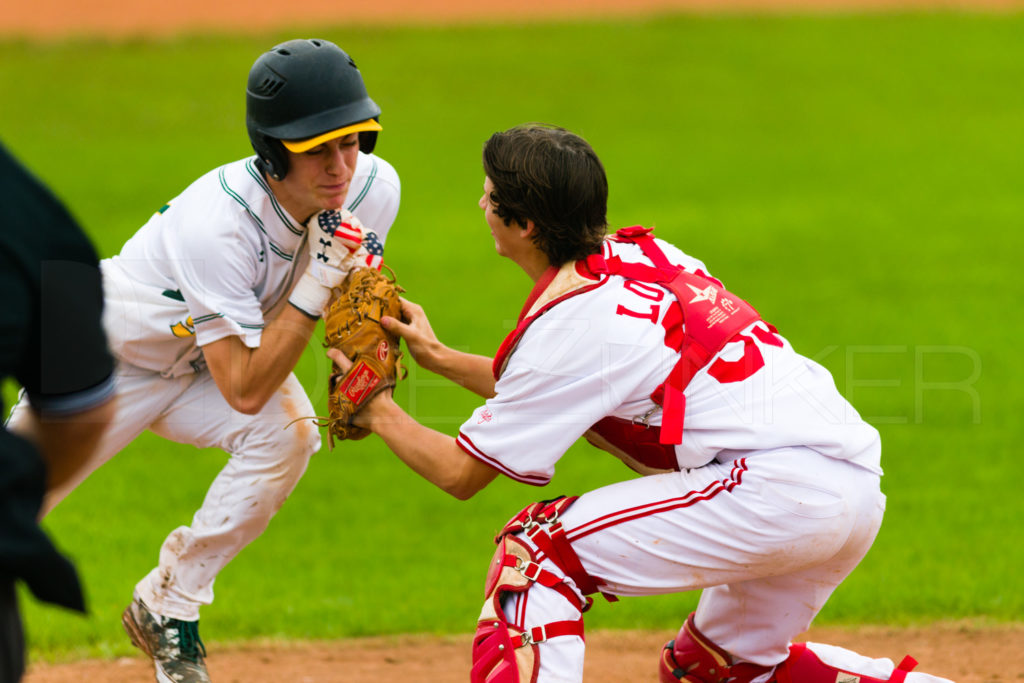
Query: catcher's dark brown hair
[[553, 177]]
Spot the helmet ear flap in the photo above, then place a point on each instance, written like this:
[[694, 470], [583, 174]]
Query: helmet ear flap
[[272, 157], [368, 138], [367, 141]]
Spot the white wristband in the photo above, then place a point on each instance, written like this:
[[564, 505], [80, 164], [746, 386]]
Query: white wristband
[[309, 295]]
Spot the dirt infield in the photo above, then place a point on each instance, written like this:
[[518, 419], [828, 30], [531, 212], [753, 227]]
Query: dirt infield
[[960, 652], [118, 18], [963, 652]]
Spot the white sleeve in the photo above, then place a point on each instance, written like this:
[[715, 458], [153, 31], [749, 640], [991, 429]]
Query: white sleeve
[[216, 272], [375, 194], [562, 378]]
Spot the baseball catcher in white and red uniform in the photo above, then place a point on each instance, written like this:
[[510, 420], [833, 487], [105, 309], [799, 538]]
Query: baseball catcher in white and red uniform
[[761, 483]]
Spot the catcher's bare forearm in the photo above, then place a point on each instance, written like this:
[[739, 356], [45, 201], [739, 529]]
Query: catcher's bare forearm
[[466, 369], [431, 454]]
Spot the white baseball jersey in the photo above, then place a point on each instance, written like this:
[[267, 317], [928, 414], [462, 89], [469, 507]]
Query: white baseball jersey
[[772, 494], [219, 260], [601, 351]]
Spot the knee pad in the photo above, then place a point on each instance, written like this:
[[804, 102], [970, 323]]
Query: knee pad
[[503, 652], [691, 657], [541, 524]]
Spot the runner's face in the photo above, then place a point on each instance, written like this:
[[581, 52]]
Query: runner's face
[[319, 178]]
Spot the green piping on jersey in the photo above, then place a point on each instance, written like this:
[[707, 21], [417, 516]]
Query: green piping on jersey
[[366, 187], [250, 166], [210, 317], [259, 224]]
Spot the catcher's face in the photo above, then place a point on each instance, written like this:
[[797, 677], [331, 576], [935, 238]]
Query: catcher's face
[[319, 178], [499, 231]]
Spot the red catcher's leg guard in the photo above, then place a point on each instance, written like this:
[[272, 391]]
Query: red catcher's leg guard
[[504, 652], [494, 656], [803, 666], [693, 658]]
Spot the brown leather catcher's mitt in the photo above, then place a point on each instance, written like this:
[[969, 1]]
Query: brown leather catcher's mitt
[[352, 325]]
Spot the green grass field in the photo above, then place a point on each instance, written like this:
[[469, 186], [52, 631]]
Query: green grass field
[[857, 178]]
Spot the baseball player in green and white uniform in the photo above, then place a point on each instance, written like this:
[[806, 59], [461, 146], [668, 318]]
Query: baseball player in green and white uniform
[[209, 306]]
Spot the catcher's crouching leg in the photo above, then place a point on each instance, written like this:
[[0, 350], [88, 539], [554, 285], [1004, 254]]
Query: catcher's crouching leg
[[693, 658], [505, 652], [816, 663]]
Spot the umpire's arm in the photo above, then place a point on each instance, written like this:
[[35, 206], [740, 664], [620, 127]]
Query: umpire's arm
[[70, 394]]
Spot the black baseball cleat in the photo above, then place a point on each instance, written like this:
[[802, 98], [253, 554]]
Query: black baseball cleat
[[174, 645]]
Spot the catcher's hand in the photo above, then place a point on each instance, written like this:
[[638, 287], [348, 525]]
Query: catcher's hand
[[352, 326]]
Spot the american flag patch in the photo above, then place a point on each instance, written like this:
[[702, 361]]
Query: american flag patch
[[348, 232], [329, 221], [374, 249]]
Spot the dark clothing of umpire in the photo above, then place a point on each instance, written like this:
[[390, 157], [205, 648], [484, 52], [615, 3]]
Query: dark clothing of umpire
[[52, 344]]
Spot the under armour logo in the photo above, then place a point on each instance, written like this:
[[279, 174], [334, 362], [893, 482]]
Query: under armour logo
[[325, 244]]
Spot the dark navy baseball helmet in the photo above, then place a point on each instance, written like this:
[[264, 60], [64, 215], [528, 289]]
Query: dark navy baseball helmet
[[303, 93]]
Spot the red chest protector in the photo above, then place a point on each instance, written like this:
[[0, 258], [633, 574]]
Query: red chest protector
[[703, 318]]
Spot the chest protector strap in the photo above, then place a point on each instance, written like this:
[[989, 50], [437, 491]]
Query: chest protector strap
[[703, 318]]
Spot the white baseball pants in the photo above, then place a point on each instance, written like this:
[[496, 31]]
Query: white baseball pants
[[767, 537], [266, 462]]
